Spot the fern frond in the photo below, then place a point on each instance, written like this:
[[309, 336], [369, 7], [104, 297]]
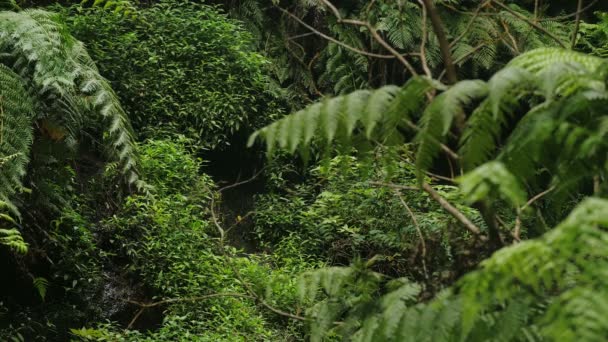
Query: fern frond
[[376, 112], [12, 239], [16, 135], [57, 68], [41, 284], [437, 119], [537, 60], [492, 180]]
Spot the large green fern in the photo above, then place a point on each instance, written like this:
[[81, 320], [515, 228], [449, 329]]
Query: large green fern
[[544, 103], [47, 80]]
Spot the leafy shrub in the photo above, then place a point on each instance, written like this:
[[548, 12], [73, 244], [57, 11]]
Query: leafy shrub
[[179, 67], [339, 214], [168, 241]]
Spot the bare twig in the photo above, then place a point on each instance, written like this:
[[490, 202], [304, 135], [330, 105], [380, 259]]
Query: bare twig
[[333, 9], [444, 45], [447, 206], [423, 61], [395, 186], [574, 14], [537, 197], [301, 35], [443, 147], [418, 230], [464, 57], [528, 21], [237, 273], [134, 319], [577, 23], [557, 18], [513, 40]]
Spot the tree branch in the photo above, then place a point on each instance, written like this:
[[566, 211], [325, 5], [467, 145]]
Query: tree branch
[[382, 42], [238, 275], [333, 40], [444, 45], [452, 210], [531, 23], [469, 24], [144, 306]]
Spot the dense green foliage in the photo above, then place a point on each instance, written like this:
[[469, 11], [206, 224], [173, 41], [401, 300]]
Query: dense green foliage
[[340, 216], [191, 69], [442, 175]]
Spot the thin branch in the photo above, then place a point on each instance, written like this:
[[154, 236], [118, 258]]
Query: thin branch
[[333, 9], [447, 206], [577, 24], [394, 186], [578, 12], [419, 232], [469, 24], [464, 58], [517, 228], [255, 175], [557, 18], [144, 306], [333, 40], [452, 210], [513, 40], [134, 319], [536, 198], [382, 42], [443, 147], [237, 273], [301, 35], [531, 23]]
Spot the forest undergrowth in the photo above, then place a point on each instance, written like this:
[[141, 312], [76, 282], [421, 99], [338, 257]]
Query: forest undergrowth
[[294, 170]]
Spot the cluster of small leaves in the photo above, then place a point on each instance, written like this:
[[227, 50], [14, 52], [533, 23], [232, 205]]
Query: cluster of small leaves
[[180, 68], [339, 214], [171, 244]]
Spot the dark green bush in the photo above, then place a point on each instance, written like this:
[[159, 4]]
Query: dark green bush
[[179, 67], [168, 241]]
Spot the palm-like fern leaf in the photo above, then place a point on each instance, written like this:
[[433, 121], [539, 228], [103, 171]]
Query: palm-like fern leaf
[[437, 119], [16, 114], [68, 87], [377, 112]]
